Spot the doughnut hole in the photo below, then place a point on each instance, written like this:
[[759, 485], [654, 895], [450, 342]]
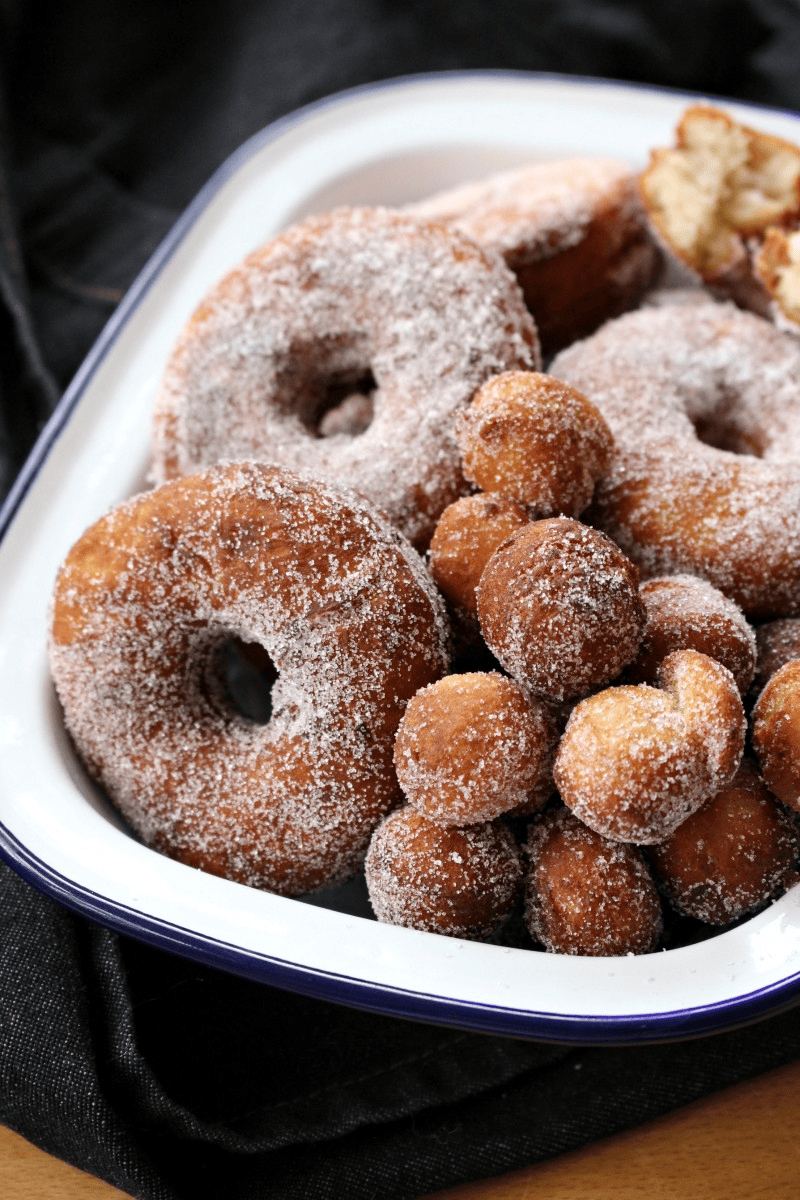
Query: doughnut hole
[[346, 406], [559, 607], [635, 762], [473, 746], [533, 437], [686, 612], [460, 882], [731, 856], [777, 643], [585, 894], [776, 733], [242, 675], [466, 536]]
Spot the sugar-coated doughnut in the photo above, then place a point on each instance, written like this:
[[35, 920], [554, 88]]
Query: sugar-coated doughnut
[[731, 856], [473, 746], [465, 538], [573, 231], [636, 761], [458, 881], [704, 477], [688, 613], [777, 643], [533, 437], [776, 733], [713, 196], [559, 607], [303, 320], [585, 894], [343, 607]]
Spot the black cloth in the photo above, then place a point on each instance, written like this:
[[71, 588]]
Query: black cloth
[[165, 1078]]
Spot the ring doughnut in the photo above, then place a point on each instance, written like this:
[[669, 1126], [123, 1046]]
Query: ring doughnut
[[704, 478], [344, 609], [303, 320]]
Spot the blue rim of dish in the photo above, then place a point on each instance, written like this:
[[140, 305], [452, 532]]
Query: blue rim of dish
[[343, 989]]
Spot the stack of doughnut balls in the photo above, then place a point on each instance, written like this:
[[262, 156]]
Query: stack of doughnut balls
[[530, 640]]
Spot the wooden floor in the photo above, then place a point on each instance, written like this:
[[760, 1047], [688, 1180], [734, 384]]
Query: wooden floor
[[740, 1144]]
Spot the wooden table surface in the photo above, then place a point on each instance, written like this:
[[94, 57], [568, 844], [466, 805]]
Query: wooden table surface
[[739, 1144]]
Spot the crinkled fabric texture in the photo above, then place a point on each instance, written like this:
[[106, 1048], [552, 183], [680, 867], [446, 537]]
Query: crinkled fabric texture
[[166, 1078]]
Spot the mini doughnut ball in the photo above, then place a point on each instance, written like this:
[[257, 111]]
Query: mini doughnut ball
[[533, 437], [585, 894], [635, 762], [777, 643], [460, 882], [731, 856], [686, 612], [559, 607], [473, 746], [776, 733], [466, 536]]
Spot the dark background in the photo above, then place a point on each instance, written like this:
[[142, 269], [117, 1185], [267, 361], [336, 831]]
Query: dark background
[[167, 1079]]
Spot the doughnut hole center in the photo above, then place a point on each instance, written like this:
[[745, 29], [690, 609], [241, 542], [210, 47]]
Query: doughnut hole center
[[726, 426], [242, 678], [345, 405]]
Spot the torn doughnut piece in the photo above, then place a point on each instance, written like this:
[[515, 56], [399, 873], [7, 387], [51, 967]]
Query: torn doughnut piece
[[474, 746], [586, 894], [634, 762], [460, 882], [721, 186], [731, 856]]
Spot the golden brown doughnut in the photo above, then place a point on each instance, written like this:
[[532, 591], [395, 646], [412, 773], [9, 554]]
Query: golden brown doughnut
[[465, 538], [715, 194], [704, 479], [688, 613], [731, 856], [585, 894], [347, 614], [471, 747], [573, 231], [299, 323], [559, 607], [634, 762], [460, 882], [532, 437], [776, 733]]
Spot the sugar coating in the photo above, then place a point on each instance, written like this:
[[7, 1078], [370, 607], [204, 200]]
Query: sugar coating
[[473, 746], [776, 733], [559, 607], [704, 406], [348, 616], [731, 856], [777, 643], [462, 882], [424, 308], [585, 894]]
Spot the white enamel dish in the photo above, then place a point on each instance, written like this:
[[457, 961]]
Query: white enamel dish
[[384, 144]]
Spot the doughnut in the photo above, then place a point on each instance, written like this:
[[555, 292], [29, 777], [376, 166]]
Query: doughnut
[[704, 477], [573, 231], [636, 761], [291, 334], [687, 613], [776, 733], [712, 197], [346, 613], [585, 894], [777, 266], [534, 438], [462, 882], [731, 856], [559, 607], [465, 538], [473, 746], [777, 643]]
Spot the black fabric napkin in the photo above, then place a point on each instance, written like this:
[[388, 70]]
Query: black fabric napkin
[[163, 1077]]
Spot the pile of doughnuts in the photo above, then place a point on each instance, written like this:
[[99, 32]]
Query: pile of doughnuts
[[528, 642]]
